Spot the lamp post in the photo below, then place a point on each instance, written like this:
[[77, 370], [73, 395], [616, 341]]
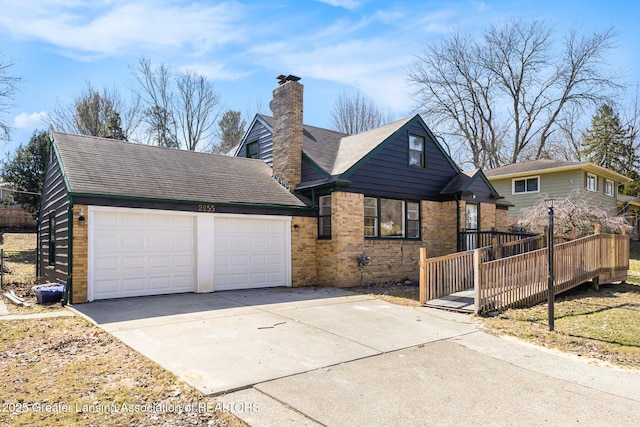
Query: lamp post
[[550, 296]]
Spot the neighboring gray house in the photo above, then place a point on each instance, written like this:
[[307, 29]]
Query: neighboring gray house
[[525, 184]]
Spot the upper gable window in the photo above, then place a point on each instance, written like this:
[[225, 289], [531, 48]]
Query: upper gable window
[[253, 151], [526, 185], [592, 182], [609, 188], [416, 151]]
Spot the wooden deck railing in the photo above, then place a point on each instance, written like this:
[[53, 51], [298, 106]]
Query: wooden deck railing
[[522, 280], [516, 274], [472, 239], [452, 273]]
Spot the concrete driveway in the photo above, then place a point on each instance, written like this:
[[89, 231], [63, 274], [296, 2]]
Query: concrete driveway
[[296, 357], [225, 341]]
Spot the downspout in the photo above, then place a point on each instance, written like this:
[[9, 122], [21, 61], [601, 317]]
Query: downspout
[[69, 285], [457, 197]]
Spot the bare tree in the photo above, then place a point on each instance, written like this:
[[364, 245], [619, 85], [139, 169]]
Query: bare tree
[[105, 114], [503, 95], [8, 86], [231, 128], [354, 113], [158, 97], [197, 108], [181, 110], [572, 214]]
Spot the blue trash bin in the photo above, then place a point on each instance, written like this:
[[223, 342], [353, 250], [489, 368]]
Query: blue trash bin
[[49, 292]]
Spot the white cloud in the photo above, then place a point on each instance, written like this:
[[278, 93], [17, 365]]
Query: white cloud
[[215, 71], [347, 4], [114, 27], [30, 121]]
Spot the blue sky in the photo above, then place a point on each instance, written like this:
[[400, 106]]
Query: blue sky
[[334, 45]]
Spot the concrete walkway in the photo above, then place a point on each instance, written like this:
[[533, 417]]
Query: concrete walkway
[[299, 357]]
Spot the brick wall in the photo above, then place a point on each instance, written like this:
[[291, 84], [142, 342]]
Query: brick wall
[[304, 238], [336, 259], [487, 216], [439, 226], [502, 220], [80, 258]]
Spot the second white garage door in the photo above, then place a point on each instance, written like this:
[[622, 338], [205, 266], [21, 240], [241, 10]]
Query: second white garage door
[[251, 252]]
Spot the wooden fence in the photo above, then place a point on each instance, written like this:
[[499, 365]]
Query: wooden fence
[[522, 280], [15, 217], [452, 273]]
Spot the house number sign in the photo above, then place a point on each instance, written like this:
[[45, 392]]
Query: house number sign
[[206, 208]]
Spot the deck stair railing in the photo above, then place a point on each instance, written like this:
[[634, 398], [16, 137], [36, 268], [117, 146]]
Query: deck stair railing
[[516, 274]]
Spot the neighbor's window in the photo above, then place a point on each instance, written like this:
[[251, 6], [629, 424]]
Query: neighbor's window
[[416, 151], [592, 182], [526, 185], [324, 217], [370, 217], [609, 188], [252, 150], [52, 238]]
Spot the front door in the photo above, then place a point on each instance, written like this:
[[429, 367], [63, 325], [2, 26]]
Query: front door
[[471, 226]]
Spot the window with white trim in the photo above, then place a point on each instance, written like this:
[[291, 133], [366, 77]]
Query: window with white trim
[[324, 217], [526, 185], [609, 189], [591, 182]]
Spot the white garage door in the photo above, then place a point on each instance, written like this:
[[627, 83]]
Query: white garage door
[[251, 252], [134, 254]]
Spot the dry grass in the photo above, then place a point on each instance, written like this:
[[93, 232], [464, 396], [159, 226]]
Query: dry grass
[[21, 260], [20, 257], [65, 371], [602, 324]]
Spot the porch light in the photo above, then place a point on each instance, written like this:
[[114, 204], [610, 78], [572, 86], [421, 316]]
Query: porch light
[[81, 219], [550, 296]]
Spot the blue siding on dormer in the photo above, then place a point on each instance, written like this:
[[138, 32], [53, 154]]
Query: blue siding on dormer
[[259, 132], [482, 192], [310, 171], [387, 172]]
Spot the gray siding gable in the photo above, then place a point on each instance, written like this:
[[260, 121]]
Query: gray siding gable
[[259, 131]]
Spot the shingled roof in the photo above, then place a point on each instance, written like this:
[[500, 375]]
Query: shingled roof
[[320, 145], [100, 166], [548, 166]]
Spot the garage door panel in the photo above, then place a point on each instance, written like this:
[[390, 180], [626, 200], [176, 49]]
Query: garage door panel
[[141, 253], [183, 261], [134, 262], [255, 253]]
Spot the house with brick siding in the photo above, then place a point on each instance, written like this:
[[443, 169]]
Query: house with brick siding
[[295, 206], [378, 196]]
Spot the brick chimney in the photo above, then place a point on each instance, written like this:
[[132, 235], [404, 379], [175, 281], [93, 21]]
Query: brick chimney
[[287, 130]]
